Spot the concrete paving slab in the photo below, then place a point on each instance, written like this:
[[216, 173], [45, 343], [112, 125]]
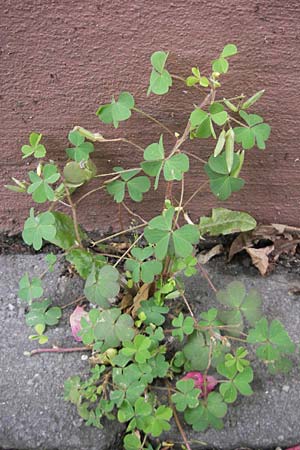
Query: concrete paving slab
[[33, 414]]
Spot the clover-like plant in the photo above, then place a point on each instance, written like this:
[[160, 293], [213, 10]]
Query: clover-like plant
[[134, 294]]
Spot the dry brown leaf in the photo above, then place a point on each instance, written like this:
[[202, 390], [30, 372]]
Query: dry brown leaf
[[126, 302], [260, 259], [204, 257], [142, 294]]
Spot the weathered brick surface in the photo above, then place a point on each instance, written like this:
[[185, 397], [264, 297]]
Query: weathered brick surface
[[60, 59]]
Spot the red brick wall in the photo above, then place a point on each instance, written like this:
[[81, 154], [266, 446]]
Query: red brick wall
[[61, 58]]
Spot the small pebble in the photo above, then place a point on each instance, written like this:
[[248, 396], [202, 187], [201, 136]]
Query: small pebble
[[10, 307], [285, 388], [84, 357]]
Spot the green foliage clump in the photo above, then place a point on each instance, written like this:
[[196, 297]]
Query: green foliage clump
[[134, 317]]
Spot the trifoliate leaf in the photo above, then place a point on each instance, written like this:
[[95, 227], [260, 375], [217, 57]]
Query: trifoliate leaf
[[178, 242], [274, 339], [240, 304], [152, 312], [208, 413], [35, 148], [187, 395], [256, 133], [30, 289], [81, 150], [183, 326], [117, 110], [39, 228], [41, 314], [141, 269], [222, 183], [176, 166], [224, 221], [112, 327], [160, 79], [202, 122], [40, 184], [136, 186], [101, 285]]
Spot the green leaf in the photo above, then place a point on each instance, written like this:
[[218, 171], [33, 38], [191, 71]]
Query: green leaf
[[112, 327], [187, 397], [41, 314], [196, 351], [65, 236], [154, 158], [176, 166], [159, 422], [83, 261], [228, 392], [141, 269], [179, 242], [224, 221], [136, 186], [71, 389], [240, 304], [30, 289], [217, 114], [101, 285], [160, 79], [229, 50], [82, 149], [274, 339], [138, 349], [39, 228], [35, 148], [184, 326], [207, 414], [116, 111], [154, 314], [256, 133], [222, 182], [40, 184], [51, 259], [220, 65], [132, 442]]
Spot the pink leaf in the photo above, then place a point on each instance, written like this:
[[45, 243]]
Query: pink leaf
[[206, 386], [75, 319], [297, 447]]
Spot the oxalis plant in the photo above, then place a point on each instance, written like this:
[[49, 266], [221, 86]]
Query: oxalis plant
[[152, 357]]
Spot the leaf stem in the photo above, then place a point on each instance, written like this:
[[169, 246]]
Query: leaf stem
[[59, 350], [195, 157], [178, 423], [154, 120], [74, 214], [89, 193], [117, 234], [128, 250]]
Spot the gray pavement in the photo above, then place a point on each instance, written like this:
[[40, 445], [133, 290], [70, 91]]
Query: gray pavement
[[33, 414]]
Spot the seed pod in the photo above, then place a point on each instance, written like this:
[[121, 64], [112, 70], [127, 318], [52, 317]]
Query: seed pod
[[229, 148], [230, 105], [241, 156], [220, 143], [252, 99]]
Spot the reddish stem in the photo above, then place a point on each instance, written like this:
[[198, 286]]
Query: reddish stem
[[59, 350]]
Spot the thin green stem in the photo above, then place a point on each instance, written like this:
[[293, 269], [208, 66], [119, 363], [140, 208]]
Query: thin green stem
[[160, 124], [238, 122], [119, 172], [88, 193], [74, 214], [128, 250], [117, 234]]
